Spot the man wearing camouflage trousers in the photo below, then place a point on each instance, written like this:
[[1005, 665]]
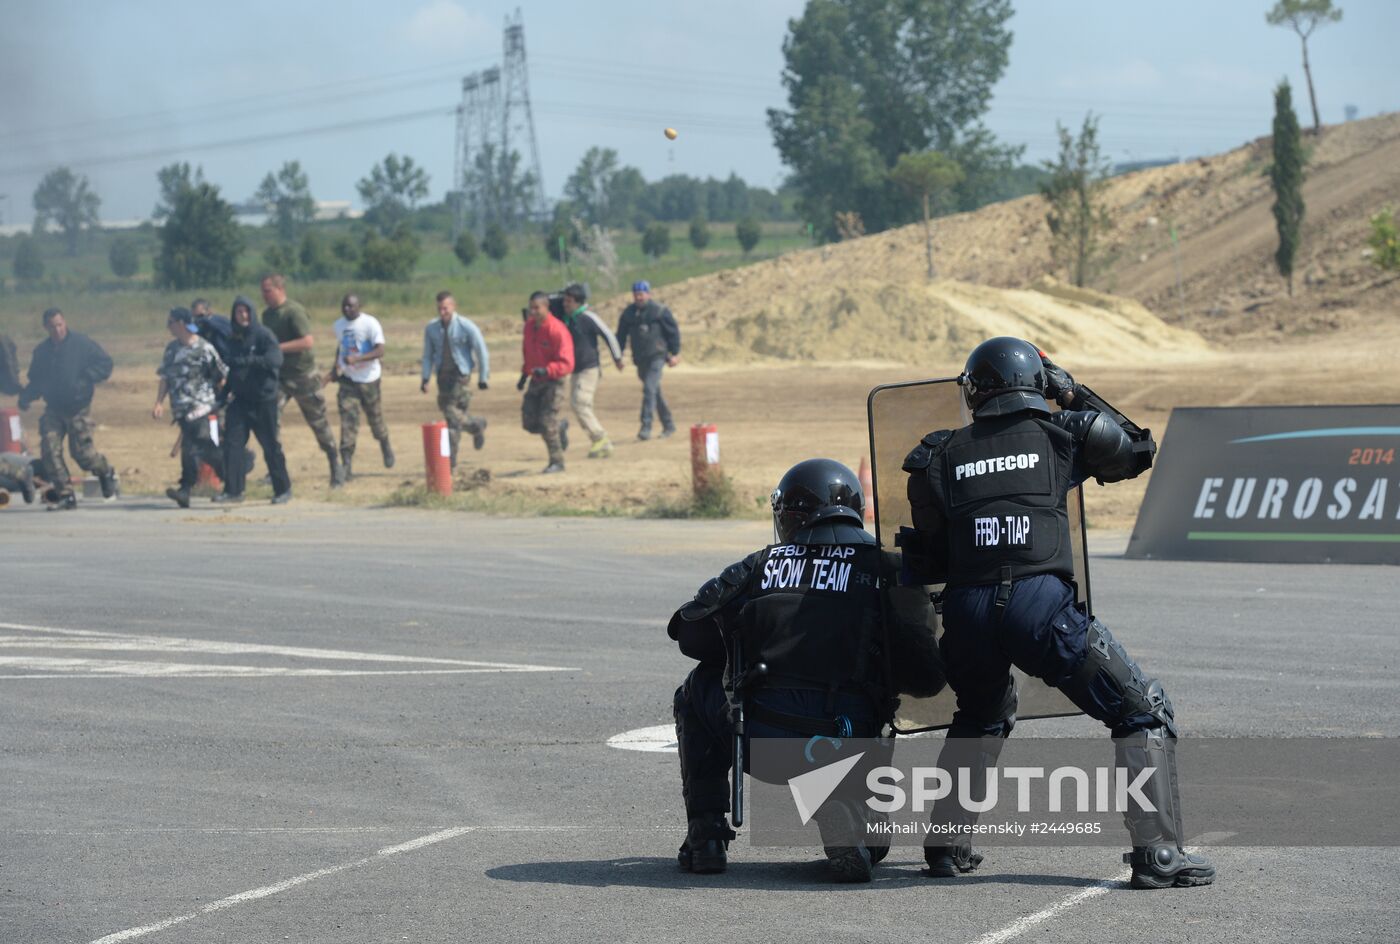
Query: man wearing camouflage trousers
[[291, 325], [452, 347], [191, 372], [64, 370], [359, 348]]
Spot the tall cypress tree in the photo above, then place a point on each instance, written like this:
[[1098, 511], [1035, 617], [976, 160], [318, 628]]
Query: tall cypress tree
[[1286, 174]]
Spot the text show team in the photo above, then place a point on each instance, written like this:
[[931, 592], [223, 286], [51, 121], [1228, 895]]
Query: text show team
[[228, 379]]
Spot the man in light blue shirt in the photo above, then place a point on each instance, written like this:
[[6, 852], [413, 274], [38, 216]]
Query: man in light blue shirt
[[467, 350]]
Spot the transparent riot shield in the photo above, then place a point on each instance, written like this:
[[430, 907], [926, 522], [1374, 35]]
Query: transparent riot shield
[[900, 415]]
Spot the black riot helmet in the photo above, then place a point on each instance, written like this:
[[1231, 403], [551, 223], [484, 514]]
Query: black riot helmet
[[814, 491], [1004, 375]]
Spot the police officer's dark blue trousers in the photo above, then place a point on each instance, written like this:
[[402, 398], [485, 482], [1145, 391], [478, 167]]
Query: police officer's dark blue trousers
[[1045, 633], [705, 735]]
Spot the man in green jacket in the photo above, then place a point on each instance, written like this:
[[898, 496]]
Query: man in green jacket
[[299, 381]]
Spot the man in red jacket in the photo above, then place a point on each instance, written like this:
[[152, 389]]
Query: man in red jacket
[[549, 358]]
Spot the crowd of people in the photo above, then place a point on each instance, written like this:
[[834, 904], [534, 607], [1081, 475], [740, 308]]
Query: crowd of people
[[228, 378]]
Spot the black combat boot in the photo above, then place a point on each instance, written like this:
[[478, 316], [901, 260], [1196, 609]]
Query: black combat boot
[[706, 847], [108, 481], [347, 460], [950, 861], [1159, 859], [842, 828], [387, 451], [180, 496], [1168, 867]]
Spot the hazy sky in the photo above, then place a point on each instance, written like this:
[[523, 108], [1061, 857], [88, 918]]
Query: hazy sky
[[117, 89]]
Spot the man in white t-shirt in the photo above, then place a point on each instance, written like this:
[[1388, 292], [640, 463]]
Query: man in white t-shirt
[[359, 340]]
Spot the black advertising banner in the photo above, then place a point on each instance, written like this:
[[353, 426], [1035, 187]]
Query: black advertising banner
[[1296, 484]]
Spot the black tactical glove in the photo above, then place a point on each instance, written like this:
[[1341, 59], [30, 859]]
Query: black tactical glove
[[520, 384], [482, 385], [540, 372], [24, 402], [1059, 385]]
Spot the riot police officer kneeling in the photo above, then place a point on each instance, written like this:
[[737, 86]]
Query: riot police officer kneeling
[[819, 658], [989, 509]]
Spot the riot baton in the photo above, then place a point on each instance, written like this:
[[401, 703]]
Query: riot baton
[[736, 707], [740, 679]]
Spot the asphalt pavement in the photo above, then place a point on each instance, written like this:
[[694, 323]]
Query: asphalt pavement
[[328, 724]]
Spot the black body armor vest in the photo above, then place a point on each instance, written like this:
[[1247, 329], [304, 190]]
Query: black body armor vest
[[814, 616], [1003, 485]]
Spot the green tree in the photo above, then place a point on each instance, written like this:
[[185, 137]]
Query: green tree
[[29, 264], [466, 249], [625, 192], [280, 257], [346, 251], [1303, 17], [869, 80], [200, 241], [930, 177], [124, 257], [391, 191], [497, 190], [1384, 241], [656, 241], [561, 236], [1077, 216], [64, 198], [287, 197], [589, 186], [174, 179], [391, 258], [699, 231], [1286, 175], [494, 243], [314, 257], [748, 231]]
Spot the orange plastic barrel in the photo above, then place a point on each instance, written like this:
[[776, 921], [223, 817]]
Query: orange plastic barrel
[[437, 457], [704, 455], [10, 432]]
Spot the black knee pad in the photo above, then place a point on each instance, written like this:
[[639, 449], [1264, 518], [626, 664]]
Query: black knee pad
[[1107, 660]]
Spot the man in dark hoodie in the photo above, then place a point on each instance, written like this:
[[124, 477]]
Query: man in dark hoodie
[[254, 360], [65, 369]]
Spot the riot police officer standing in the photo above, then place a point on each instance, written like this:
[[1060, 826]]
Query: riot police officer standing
[[989, 509], [817, 642]]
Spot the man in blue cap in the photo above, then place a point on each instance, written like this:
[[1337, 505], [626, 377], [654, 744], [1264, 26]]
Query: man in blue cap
[[656, 345], [191, 373]]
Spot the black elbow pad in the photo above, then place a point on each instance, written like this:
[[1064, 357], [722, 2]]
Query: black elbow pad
[[1108, 452]]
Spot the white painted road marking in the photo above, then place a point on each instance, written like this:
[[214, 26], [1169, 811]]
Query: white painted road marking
[[1101, 887], [53, 638], [269, 890], [1021, 925], [659, 738]]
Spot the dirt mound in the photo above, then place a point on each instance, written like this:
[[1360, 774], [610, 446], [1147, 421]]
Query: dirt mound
[[1218, 280], [774, 312]]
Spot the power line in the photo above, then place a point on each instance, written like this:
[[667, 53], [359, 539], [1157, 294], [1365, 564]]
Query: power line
[[228, 144], [262, 98]]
